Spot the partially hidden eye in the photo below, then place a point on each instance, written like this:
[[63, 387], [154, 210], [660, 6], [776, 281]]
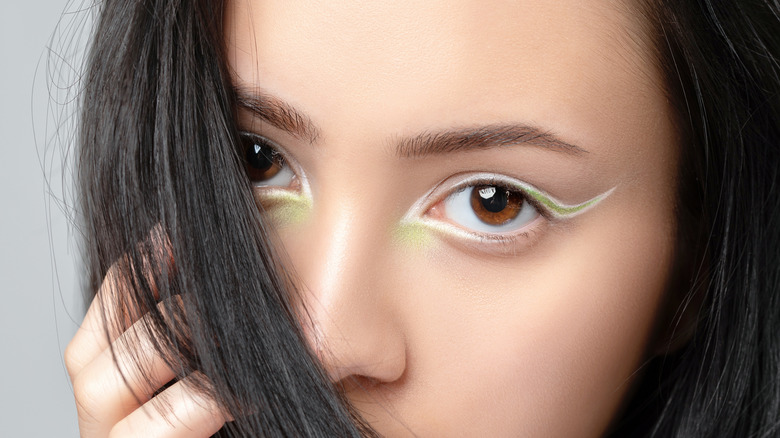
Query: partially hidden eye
[[490, 208], [265, 166]]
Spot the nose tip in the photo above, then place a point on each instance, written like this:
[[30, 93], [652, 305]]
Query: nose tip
[[357, 346]]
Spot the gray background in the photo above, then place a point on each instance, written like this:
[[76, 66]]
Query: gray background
[[41, 298]]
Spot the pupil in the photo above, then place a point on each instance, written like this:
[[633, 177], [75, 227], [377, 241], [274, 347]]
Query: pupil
[[259, 158], [493, 200]]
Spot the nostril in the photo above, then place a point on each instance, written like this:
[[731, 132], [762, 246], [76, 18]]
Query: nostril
[[355, 354], [356, 382]]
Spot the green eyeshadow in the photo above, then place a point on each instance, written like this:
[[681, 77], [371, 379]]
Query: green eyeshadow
[[559, 209], [415, 234], [286, 207]]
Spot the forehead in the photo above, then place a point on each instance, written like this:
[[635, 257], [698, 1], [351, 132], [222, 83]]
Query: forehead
[[573, 65]]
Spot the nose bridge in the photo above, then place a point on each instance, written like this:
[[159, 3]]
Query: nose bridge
[[353, 325]]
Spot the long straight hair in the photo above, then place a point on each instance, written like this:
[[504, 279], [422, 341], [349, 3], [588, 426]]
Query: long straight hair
[[168, 209], [167, 206], [722, 65]]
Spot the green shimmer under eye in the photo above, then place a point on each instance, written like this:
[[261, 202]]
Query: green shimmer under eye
[[414, 234], [286, 207]]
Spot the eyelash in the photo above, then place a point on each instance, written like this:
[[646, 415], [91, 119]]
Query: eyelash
[[505, 240]]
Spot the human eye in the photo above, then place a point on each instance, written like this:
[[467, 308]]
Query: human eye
[[279, 185], [264, 163], [489, 207], [490, 211]]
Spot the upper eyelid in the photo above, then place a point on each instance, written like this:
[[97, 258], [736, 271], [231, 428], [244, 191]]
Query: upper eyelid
[[275, 144], [456, 183], [550, 204], [244, 133]]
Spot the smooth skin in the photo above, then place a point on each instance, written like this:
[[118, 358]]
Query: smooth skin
[[543, 337]]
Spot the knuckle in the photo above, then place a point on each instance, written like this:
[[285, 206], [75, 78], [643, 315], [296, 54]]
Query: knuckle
[[88, 392], [117, 431], [208, 412], [73, 359]]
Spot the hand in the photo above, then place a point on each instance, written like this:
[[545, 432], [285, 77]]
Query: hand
[[109, 406]]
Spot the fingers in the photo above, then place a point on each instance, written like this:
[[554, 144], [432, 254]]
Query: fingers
[[109, 313], [115, 391], [112, 386], [93, 337], [116, 368], [184, 413]]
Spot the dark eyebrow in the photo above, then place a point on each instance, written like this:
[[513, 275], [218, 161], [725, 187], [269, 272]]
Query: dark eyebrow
[[284, 116], [481, 137], [278, 113]]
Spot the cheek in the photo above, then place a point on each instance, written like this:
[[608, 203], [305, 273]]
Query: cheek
[[545, 344]]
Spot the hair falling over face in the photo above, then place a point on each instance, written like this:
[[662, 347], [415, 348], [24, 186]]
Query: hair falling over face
[[174, 192], [231, 320]]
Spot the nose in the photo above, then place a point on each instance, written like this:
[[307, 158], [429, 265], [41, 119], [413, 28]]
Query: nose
[[349, 316]]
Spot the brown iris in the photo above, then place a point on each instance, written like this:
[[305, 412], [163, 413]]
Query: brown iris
[[263, 162], [495, 205]]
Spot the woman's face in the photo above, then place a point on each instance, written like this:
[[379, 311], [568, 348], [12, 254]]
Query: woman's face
[[477, 200]]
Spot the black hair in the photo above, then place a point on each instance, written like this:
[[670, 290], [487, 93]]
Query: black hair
[[721, 60], [165, 202], [167, 206]]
